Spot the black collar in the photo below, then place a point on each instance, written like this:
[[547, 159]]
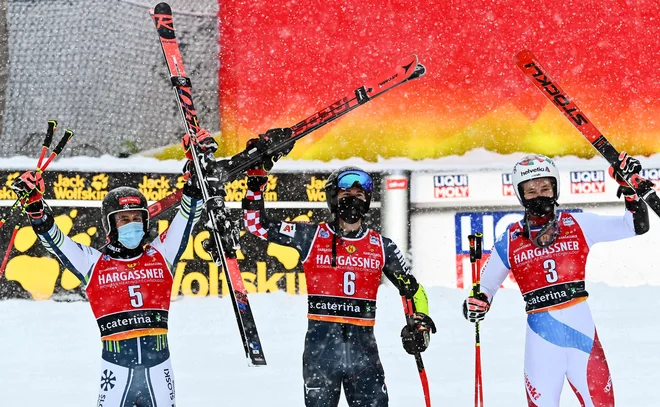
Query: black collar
[[118, 251]]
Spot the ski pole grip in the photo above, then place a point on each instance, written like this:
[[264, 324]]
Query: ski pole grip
[[475, 246], [52, 126], [60, 146]]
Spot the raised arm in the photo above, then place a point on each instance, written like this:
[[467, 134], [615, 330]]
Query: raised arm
[[78, 258], [173, 241], [298, 235]]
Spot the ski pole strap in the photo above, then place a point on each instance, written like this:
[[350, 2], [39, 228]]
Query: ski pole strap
[[475, 246]]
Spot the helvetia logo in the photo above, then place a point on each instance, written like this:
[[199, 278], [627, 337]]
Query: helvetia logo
[[451, 186], [507, 185], [108, 380], [588, 182], [534, 171]]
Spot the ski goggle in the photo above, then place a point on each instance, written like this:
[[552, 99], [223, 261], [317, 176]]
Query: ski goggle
[[355, 178]]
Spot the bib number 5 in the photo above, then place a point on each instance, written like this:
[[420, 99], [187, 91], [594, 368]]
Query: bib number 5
[[136, 296]]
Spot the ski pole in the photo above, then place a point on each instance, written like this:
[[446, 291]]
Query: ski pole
[[11, 244], [58, 149], [408, 309], [41, 166], [52, 127], [475, 260]]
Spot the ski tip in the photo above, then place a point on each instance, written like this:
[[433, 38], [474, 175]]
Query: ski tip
[[524, 56], [420, 70], [409, 65], [163, 8]]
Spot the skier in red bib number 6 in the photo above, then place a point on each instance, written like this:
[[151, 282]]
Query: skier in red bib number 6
[[343, 263], [547, 253]]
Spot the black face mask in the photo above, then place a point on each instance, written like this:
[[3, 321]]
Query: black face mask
[[540, 206], [351, 209]]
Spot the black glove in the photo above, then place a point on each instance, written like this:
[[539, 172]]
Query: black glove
[[475, 307], [214, 180], [267, 140], [629, 168], [626, 166], [416, 339], [29, 188]]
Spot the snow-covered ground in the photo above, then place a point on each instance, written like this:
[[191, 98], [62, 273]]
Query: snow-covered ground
[[50, 351]]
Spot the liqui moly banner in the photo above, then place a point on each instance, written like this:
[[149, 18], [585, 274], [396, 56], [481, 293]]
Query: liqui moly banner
[[652, 174], [494, 188], [507, 185], [451, 186], [492, 225], [588, 182]]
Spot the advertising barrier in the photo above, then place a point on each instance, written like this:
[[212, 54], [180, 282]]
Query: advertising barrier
[[32, 272]]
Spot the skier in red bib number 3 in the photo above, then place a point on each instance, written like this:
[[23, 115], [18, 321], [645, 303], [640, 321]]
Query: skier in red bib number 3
[[547, 253]]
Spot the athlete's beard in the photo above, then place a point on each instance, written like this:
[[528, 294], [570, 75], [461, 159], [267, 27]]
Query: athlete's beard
[[351, 209]]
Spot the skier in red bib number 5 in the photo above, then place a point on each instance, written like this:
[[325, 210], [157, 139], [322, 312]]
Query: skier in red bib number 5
[[343, 263], [547, 253], [128, 283]]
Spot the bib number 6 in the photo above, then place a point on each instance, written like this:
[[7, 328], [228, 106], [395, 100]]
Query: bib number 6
[[349, 283]]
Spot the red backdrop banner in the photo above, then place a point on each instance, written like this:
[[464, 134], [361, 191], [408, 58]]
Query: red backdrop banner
[[281, 60]]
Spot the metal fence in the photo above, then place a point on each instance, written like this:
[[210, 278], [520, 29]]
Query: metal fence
[[96, 67]]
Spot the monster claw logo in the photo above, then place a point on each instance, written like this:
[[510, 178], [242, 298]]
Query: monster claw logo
[[108, 380]]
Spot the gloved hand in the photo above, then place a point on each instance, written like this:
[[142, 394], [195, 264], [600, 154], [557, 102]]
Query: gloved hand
[[204, 144], [475, 307], [30, 189], [416, 339], [630, 168], [214, 181], [265, 141], [627, 166]]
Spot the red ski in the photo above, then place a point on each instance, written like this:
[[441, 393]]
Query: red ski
[[405, 71], [531, 67], [226, 241]]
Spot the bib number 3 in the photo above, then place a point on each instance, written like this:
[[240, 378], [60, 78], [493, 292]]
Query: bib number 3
[[550, 268]]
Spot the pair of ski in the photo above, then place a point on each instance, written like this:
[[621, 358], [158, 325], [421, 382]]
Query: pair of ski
[[224, 232]]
